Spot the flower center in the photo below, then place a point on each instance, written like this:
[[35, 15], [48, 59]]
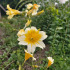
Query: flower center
[[32, 37]]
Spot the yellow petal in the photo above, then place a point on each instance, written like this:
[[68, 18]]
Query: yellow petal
[[49, 63], [28, 23], [10, 16], [29, 12], [8, 7], [27, 55], [40, 12], [11, 12]]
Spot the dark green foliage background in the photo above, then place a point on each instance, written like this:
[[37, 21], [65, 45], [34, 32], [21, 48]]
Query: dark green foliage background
[[12, 3]]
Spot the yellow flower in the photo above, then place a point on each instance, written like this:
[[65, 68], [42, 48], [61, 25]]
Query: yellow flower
[[29, 6], [28, 55], [35, 66], [11, 12], [32, 38], [21, 32], [40, 12], [50, 62], [28, 23]]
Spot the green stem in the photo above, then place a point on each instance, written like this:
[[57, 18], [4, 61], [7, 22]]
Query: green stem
[[23, 63]]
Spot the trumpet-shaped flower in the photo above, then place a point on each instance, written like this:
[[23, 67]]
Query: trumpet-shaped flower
[[21, 32], [29, 6], [50, 62], [32, 38], [28, 55], [28, 23], [62, 1], [11, 12]]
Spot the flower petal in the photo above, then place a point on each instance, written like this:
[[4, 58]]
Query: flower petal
[[40, 44], [22, 43], [10, 16], [44, 36], [8, 7], [27, 29], [29, 6], [33, 48], [34, 12], [21, 38], [29, 48], [34, 28]]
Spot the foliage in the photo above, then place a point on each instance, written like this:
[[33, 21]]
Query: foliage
[[12, 3], [57, 24]]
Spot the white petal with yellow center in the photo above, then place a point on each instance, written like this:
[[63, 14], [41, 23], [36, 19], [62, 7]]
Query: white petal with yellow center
[[27, 29], [32, 38]]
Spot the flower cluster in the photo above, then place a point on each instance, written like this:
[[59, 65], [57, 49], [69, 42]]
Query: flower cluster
[[30, 36]]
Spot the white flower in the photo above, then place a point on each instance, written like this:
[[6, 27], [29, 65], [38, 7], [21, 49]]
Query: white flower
[[50, 62], [29, 6], [32, 9], [62, 1], [32, 38], [35, 9]]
